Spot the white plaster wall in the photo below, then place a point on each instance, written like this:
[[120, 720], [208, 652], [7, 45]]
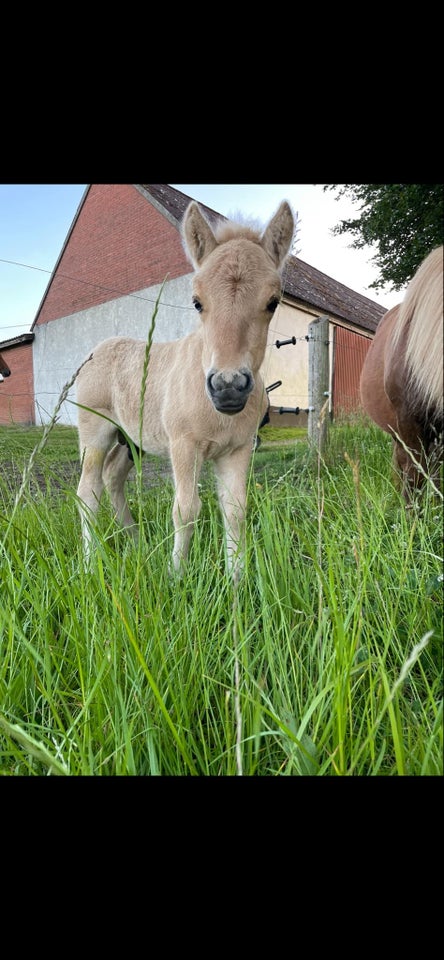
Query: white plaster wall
[[60, 347], [288, 363]]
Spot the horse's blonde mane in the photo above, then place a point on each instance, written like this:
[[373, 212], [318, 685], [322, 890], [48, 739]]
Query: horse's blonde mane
[[421, 316]]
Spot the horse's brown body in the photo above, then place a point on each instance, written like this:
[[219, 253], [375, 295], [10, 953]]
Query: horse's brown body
[[203, 396], [4, 369], [401, 379]]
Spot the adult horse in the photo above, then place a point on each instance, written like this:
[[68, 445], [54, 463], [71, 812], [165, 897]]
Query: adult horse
[[201, 397], [4, 369], [401, 382]]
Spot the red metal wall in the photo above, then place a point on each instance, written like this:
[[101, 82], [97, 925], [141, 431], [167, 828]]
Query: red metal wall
[[349, 352]]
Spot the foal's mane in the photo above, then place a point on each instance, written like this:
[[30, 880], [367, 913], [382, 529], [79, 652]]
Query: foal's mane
[[239, 229]]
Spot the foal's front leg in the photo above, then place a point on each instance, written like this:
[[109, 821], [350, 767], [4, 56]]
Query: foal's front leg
[[231, 476], [186, 461]]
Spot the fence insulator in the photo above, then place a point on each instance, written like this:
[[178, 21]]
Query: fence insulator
[[295, 410], [278, 383], [282, 343]]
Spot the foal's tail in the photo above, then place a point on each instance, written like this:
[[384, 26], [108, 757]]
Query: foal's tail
[[421, 315]]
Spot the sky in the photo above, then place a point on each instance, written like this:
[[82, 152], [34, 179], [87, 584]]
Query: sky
[[35, 220]]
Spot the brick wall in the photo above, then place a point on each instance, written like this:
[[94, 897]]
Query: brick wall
[[17, 391], [120, 243]]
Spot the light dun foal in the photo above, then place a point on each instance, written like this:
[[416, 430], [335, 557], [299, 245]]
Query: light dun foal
[[204, 396]]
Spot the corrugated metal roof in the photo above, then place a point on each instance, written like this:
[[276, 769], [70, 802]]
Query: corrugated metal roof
[[16, 341]]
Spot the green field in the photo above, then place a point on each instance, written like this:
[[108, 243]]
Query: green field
[[326, 660]]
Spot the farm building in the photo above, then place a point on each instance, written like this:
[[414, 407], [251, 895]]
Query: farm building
[[123, 248]]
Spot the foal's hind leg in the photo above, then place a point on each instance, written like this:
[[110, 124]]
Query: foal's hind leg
[[89, 491], [96, 436], [116, 468]]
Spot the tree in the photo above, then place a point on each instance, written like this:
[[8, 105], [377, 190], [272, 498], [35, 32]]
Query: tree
[[404, 221]]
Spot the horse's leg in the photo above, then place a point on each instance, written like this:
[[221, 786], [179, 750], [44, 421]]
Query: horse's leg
[[89, 492], [231, 476], [408, 455], [95, 438], [415, 465], [116, 468], [405, 472], [186, 461]]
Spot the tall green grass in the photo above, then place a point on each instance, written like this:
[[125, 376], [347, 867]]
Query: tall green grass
[[326, 660]]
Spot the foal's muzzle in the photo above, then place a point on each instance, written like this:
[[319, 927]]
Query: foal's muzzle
[[229, 392]]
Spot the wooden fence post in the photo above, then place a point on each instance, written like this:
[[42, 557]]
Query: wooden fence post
[[318, 382]]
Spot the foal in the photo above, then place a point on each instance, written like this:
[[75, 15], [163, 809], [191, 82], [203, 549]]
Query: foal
[[203, 396]]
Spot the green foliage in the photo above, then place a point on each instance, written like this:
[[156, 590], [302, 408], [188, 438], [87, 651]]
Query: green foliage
[[326, 660], [403, 220], [278, 434], [17, 443]]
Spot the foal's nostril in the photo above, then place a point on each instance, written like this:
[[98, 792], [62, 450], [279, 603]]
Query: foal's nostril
[[229, 390], [241, 381]]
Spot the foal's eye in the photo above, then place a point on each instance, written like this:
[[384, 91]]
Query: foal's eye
[[271, 306], [197, 304]]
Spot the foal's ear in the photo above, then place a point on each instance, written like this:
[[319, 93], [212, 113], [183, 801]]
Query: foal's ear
[[198, 236], [278, 236]]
